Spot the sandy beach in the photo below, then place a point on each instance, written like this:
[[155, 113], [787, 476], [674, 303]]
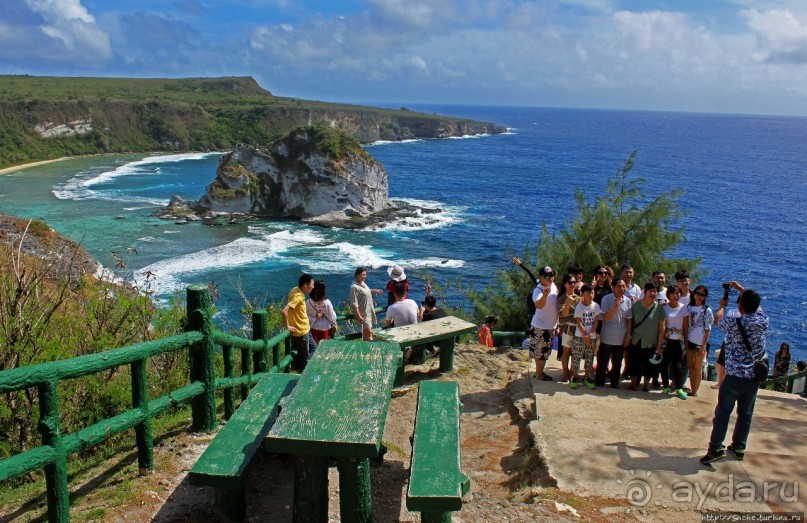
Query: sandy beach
[[20, 167]]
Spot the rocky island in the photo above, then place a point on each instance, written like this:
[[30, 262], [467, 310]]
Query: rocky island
[[314, 174]]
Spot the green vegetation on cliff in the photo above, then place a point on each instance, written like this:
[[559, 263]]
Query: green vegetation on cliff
[[49, 117]]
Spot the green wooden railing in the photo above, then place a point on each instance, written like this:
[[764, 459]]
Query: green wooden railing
[[199, 340]]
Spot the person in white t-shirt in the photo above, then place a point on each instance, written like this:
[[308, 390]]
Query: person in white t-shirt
[[634, 292], [701, 318], [587, 317], [675, 335], [544, 320], [683, 281], [404, 311]]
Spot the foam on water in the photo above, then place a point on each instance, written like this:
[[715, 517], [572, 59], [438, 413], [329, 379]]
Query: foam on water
[[238, 253], [344, 257], [79, 186], [448, 215], [387, 142]]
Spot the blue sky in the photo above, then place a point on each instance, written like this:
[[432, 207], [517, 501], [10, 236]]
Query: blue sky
[[735, 56]]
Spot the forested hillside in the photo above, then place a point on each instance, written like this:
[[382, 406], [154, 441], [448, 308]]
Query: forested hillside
[[49, 117]]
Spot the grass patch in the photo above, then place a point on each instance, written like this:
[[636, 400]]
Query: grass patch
[[392, 447], [95, 477]]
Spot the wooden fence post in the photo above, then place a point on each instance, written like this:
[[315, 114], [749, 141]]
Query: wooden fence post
[[203, 367], [58, 494], [140, 400], [260, 331], [229, 392]]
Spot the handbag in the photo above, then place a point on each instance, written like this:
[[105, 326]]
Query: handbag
[[762, 366]]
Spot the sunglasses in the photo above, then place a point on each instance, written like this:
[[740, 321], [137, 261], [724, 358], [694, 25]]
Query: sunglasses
[[700, 294], [571, 282]]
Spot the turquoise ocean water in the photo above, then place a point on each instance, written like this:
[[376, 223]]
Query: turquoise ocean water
[[744, 177]]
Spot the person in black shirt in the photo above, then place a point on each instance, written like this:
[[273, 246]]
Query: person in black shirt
[[430, 310]]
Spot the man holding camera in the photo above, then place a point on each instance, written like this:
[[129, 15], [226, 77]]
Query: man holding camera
[[744, 346]]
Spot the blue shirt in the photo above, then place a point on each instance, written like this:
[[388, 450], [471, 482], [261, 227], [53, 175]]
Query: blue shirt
[[740, 362]]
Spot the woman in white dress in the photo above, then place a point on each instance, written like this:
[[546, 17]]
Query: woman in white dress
[[321, 315]]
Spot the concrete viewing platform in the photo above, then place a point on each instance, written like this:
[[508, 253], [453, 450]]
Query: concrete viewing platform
[[645, 448]]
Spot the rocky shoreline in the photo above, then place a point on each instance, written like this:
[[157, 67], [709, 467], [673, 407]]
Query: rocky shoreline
[[183, 212]]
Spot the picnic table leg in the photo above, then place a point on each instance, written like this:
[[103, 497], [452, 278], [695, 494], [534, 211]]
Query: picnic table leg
[[435, 517], [355, 499], [310, 489], [232, 503], [447, 354], [419, 354], [399, 374]]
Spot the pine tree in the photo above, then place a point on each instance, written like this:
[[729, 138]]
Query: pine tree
[[623, 225]]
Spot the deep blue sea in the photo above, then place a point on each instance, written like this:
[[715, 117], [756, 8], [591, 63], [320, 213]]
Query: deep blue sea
[[744, 177]]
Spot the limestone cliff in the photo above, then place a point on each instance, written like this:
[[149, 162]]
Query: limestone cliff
[[315, 174]]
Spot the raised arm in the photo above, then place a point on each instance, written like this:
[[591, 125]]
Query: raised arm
[[517, 261]]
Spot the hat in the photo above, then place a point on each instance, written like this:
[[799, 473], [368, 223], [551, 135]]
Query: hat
[[396, 273], [656, 359], [546, 272]]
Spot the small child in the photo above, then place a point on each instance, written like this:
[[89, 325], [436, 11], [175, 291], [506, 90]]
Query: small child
[[587, 316], [486, 331]]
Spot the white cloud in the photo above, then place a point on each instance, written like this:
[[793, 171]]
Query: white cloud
[[51, 31], [781, 33]]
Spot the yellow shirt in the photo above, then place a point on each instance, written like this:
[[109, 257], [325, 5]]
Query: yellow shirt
[[297, 314]]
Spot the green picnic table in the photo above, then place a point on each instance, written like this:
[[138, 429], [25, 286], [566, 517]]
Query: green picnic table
[[337, 410], [442, 331]]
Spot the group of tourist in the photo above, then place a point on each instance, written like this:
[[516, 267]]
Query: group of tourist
[[659, 331], [312, 320], [637, 333]]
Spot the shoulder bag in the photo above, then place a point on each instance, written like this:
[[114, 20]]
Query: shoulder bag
[[649, 312], [761, 366]]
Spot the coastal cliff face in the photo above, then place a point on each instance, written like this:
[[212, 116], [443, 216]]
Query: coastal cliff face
[[49, 117], [314, 174]]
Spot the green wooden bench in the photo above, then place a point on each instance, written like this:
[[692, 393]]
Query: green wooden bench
[[224, 463], [436, 483]]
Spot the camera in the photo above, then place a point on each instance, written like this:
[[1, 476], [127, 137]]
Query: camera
[[726, 289]]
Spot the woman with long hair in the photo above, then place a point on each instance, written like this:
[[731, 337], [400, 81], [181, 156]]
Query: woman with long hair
[[781, 365], [675, 335], [701, 318], [320, 311], [567, 301]]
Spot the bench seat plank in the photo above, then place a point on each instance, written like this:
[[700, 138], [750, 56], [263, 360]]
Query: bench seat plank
[[436, 482], [223, 463], [339, 407]]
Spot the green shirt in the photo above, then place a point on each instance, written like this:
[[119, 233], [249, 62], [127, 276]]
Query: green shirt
[[646, 334]]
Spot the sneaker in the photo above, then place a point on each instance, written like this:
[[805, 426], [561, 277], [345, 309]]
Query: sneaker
[[713, 455], [686, 389], [432, 353], [665, 390], [739, 454], [589, 385], [681, 394], [546, 377], [573, 384]]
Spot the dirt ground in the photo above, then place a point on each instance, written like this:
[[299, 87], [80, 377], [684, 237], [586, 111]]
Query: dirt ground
[[508, 482]]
